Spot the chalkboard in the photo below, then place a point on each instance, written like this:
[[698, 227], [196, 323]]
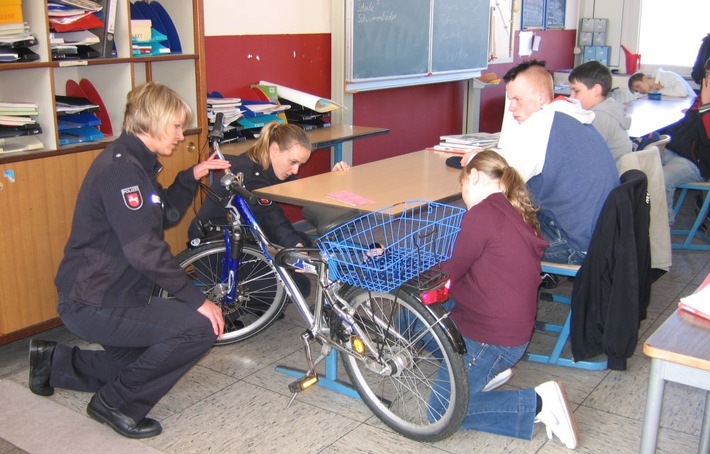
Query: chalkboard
[[403, 42]]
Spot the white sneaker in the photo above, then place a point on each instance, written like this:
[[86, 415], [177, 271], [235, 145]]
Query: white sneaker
[[556, 414], [499, 380]]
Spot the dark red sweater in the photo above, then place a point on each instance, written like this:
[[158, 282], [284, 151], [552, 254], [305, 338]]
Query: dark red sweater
[[495, 274]]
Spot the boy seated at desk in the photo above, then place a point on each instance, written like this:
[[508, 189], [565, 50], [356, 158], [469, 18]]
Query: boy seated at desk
[[590, 83], [667, 83]]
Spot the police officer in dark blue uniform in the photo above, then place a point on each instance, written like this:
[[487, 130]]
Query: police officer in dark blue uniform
[[114, 257]]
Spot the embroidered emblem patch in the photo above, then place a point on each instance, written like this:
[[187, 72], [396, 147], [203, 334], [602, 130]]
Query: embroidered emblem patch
[[132, 197], [264, 202]]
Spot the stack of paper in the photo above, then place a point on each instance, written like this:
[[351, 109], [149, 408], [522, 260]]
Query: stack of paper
[[16, 119], [74, 27], [463, 143], [229, 107], [24, 143], [698, 303], [15, 43]]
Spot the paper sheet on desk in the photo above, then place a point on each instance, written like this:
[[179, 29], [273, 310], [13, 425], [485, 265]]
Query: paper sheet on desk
[[349, 197], [320, 105], [698, 303]]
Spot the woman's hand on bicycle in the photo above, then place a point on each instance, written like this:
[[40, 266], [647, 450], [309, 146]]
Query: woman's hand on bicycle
[[202, 169], [214, 315], [342, 165]]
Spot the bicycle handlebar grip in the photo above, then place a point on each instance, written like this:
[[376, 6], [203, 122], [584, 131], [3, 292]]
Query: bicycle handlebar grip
[[217, 133]]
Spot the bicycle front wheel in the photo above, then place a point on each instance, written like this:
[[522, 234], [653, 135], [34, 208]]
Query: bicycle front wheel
[[260, 296], [413, 381]]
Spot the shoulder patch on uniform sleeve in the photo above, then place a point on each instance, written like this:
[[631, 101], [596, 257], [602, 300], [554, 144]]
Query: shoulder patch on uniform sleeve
[[132, 197], [265, 202]]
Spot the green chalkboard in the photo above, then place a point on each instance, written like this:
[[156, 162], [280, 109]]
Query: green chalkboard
[[415, 41]]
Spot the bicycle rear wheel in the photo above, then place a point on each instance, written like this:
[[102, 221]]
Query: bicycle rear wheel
[[261, 296], [414, 382]]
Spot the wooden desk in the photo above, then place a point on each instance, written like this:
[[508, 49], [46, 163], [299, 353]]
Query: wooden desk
[[649, 115], [419, 175], [680, 352], [332, 136]]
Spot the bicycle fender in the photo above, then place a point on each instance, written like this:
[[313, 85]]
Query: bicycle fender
[[450, 328]]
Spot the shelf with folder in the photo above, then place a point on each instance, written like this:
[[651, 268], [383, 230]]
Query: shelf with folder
[[50, 177]]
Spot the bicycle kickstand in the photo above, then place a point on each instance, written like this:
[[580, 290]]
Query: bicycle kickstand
[[310, 378]]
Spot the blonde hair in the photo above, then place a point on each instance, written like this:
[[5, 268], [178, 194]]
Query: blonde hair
[[511, 183], [152, 108], [285, 136]]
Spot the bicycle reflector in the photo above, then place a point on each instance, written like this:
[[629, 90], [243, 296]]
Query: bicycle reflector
[[437, 295], [303, 383]]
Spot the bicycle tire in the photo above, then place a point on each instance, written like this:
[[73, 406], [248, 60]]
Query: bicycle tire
[[261, 293], [415, 346]]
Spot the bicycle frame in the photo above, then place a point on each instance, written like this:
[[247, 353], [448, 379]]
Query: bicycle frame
[[401, 353]]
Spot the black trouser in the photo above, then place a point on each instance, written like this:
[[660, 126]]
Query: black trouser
[[146, 350]]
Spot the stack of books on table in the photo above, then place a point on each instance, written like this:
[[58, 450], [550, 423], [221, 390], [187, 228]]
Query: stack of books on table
[[463, 143], [19, 127]]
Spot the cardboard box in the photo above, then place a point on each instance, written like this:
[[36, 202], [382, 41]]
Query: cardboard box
[[140, 29]]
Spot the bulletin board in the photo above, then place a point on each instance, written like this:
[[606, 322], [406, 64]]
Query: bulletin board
[[543, 14]]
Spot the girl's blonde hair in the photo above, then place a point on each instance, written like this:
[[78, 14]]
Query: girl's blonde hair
[[511, 183], [152, 108], [285, 136]]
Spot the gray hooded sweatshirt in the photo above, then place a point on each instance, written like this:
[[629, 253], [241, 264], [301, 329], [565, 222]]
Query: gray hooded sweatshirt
[[611, 121]]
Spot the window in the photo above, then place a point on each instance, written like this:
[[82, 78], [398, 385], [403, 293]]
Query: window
[[671, 32]]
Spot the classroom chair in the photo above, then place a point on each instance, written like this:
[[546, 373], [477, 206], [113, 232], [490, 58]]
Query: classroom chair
[[648, 161], [693, 233], [660, 144], [611, 288]]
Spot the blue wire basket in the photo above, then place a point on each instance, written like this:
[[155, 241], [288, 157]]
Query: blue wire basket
[[380, 251]]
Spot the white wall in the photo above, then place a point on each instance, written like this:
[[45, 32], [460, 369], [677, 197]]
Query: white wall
[[266, 17]]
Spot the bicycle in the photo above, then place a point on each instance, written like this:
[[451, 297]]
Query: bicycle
[[377, 303]]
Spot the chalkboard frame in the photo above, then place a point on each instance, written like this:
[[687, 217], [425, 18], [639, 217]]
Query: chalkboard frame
[[437, 68]]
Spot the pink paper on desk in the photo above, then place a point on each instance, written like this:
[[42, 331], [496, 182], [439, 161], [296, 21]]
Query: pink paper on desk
[[349, 197]]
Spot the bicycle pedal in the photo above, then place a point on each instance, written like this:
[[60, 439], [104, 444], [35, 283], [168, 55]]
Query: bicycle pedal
[[303, 383]]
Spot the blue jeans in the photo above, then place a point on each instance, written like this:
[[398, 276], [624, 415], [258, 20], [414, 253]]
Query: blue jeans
[[510, 412], [559, 250], [677, 170]]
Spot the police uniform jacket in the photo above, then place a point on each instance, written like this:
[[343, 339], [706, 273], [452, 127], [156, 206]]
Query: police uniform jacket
[[116, 252], [270, 216]]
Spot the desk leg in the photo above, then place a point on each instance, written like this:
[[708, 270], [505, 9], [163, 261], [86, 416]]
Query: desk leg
[[330, 381], [654, 404], [337, 154], [705, 429]]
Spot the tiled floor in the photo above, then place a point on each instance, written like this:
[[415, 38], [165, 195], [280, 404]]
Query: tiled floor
[[235, 401]]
